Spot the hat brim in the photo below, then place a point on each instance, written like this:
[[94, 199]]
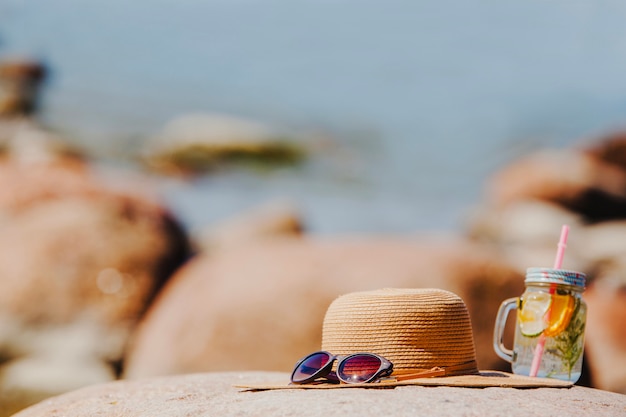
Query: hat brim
[[483, 379]]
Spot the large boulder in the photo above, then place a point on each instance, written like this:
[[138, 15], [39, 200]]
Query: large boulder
[[525, 233], [20, 79], [610, 148], [606, 298], [74, 257], [261, 306], [210, 394], [605, 336], [574, 179], [80, 261], [272, 219]]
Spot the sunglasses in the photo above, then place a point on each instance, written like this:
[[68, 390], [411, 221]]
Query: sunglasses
[[351, 369]]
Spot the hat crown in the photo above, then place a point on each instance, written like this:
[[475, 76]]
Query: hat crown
[[413, 328]]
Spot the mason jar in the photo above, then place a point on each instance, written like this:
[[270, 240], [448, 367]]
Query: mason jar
[[550, 325]]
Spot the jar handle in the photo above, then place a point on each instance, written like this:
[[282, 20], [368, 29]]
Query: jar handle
[[498, 331]]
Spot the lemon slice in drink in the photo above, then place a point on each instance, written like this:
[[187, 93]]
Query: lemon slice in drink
[[531, 313], [544, 313]]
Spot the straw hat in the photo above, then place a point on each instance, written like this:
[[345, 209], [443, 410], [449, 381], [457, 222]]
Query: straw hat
[[416, 329]]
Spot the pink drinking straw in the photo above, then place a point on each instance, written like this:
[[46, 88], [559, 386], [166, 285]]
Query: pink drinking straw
[[534, 367]]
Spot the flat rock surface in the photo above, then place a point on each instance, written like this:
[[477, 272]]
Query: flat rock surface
[[212, 394]]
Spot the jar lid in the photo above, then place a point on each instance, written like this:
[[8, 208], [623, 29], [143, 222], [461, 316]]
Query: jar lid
[[555, 276]]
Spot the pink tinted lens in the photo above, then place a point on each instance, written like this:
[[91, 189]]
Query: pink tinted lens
[[309, 366], [358, 368]]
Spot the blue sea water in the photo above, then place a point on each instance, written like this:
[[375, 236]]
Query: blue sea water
[[426, 98]]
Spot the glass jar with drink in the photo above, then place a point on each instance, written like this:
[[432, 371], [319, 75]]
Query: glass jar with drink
[[550, 325]]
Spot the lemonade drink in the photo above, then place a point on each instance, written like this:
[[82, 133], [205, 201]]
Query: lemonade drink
[[551, 309], [560, 319]]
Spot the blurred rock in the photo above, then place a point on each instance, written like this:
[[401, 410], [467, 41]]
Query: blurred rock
[[605, 242], [261, 306], [605, 334], [606, 298], [80, 261], [610, 148], [54, 360], [525, 234], [203, 142], [24, 141], [573, 179], [20, 79], [274, 219], [95, 256]]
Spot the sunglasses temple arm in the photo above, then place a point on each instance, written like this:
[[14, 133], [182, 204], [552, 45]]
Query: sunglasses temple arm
[[332, 376], [422, 374]]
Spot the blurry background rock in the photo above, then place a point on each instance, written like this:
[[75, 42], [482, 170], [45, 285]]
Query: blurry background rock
[[20, 79], [81, 257], [197, 143], [260, 306], [270, 220], [26, 141]]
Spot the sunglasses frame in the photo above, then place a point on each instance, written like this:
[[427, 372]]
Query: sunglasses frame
[[385, 368]]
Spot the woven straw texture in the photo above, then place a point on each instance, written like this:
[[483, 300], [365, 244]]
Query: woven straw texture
[[413, 328]]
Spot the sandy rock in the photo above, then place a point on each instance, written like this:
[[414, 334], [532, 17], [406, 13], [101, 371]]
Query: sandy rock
[[77, 256], [605, 241], [28, 380], [20, 79], [610, 148], [213, 394], [576, 180], [276, 218], [26, 185], [63, 341], [522, 221], [605, 334], [79, 264], [261, 306], [23, 141], [525, 233]]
